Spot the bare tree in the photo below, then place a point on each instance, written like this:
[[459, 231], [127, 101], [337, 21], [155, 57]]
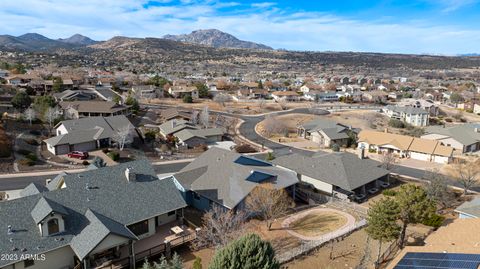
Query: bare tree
[[194, 117], [30, 115], [437, 188], [283, 103], [51, 115], [221, 99], [123, 136], [261, 103], [388, 161], [467, 172], [205, 117], [271, 126], [268, 202], [219, 227]]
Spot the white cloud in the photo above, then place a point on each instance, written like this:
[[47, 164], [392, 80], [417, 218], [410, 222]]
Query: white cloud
[[260, 23]]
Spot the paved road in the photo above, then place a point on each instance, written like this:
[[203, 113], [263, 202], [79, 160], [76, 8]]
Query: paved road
[[19, 181]]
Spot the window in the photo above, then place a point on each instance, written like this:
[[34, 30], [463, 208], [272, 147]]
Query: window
[[28, 263], [171, 213], [53, 226], [139, 228], [196, 196]]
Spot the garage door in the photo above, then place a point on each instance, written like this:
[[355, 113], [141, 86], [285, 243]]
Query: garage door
[[88, 146]]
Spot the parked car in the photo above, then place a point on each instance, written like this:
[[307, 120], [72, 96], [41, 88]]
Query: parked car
[[373, 190], [82, 155]]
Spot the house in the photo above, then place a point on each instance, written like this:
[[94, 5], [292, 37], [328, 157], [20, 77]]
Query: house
[[173, 113], [464, 138], [195, 137], [74, 95], [405, 146], [286, 95], [4, 73], [412, 115], [454, 245], [252, 93], [147, 91], [309, 87], [181, 90], [326, 132], [106, 216], [225, 178], [106, 93], [328, 96], [427, 105], [378, 96], [173, 126], [87, 134], [338, 174], [470, 209], [80, 109]]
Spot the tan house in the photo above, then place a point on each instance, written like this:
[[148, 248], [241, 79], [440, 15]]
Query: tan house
[[405, 146], [286, 95], [80, 109]]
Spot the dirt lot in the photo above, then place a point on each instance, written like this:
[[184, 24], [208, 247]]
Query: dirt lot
[[363, 119]]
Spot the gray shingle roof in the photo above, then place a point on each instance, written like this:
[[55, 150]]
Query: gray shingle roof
[[344, 170], [88, 129], [94, 106], [407, 109], [95, 232], [471, 208], [44, 207], [464, 133], [109, 195], [186, 134], [219, 176], [32, 189], [173, 126]]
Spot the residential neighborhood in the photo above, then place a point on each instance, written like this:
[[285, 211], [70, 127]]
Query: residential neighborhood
[[239, 135]]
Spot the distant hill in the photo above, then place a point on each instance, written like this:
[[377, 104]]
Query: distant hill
[[38, 42], [78, 39], [216, 38]]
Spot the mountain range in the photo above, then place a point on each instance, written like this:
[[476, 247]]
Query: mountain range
[[216, 38], [34, 42]]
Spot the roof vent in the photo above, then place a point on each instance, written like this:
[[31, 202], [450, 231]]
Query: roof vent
[[14, 249], [24, 250], [11, 240], [130, 175], [10, 230]]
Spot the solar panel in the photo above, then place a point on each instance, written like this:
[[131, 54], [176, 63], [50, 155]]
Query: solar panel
[[427, 260]]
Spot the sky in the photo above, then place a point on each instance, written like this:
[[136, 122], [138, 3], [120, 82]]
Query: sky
[[446, 27]]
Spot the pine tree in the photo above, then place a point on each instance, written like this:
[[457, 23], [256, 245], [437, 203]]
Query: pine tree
[[382, 222], [247, 252], [176, 262]]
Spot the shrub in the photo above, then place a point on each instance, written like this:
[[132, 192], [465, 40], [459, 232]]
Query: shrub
[[24, 152], [32, 142], [85, 162], [35, 132], [105, 150], [248, 252], [335, 147], [372, 150], [32, 156], [448, 120], [434, 221], [269, 157], [197, 264], [114, 155], [396, 123], [26, 162], [187, 99], [389, 192], [150, 135], [244, 148]]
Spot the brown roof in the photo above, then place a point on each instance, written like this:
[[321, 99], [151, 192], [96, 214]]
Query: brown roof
[[94, 106], [285, 93], [404, 142], [459, 236]]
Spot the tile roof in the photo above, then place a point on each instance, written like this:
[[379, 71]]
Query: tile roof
[[221, 176]]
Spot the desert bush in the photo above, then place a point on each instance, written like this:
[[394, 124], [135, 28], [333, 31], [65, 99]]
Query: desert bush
[[114, 155]]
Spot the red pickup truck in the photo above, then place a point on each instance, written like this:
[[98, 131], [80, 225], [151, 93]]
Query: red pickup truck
[[78, 155]]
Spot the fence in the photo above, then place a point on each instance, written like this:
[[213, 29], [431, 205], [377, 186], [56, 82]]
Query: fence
[[308, 246]]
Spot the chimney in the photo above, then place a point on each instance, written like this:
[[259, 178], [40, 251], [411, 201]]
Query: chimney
[[174, 123], [386, 130], [476, 130], [130, 175]]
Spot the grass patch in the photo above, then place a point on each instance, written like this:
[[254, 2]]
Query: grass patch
[[318, 223]]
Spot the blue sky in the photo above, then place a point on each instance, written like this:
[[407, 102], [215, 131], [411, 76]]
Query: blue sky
[[421, 26]]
